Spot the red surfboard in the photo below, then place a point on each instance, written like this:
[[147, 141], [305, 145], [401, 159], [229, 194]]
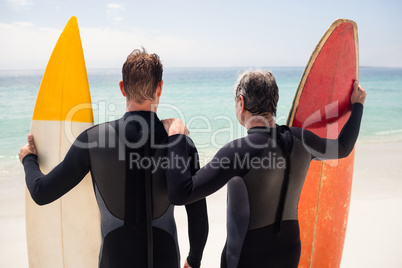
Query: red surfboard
[[322, 105]]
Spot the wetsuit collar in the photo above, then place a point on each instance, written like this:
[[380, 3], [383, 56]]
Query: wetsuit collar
[[261, 129], [147, 115]]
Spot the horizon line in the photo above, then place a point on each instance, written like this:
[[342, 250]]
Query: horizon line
[[205, 67]]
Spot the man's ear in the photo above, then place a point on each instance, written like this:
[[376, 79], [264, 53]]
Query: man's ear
[[242, 104], [159, 89], [121, 85]]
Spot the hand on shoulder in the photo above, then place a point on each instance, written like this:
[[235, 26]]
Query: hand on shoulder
[[175, 126]]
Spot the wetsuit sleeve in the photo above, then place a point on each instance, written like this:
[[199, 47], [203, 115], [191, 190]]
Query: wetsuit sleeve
[[186, 188], [197, 218], [321, 148], [45, 189]]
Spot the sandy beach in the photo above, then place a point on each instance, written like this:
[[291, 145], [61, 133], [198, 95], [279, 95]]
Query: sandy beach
[[373, 235]]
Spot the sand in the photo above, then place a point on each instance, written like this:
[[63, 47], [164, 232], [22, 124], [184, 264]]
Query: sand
[[373, 237]]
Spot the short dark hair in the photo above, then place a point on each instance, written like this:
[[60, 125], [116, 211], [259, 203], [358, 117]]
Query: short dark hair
[[141, 74], [259, 91]]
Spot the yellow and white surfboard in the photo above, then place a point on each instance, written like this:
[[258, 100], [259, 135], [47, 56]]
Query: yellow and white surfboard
[[65, 233]]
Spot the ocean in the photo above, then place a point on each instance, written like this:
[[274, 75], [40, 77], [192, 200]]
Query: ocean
[[202, 97]]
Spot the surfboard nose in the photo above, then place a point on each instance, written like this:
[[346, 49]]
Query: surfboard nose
[[65, 81]]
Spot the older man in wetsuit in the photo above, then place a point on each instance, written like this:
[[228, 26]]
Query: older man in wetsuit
[[262, 223]]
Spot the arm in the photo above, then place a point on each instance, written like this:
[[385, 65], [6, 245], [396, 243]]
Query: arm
[[197, 218], [45, 189], [321, 148], [185, 188]]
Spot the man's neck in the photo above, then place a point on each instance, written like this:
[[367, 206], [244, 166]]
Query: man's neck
[[132, 106], [259, 121]]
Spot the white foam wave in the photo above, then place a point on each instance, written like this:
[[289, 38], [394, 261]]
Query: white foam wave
[[389, 132]]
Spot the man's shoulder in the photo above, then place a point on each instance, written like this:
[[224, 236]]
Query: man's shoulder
[[101, 130], [103, 126]]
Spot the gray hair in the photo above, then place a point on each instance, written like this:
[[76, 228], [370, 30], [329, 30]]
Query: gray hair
[[259, 91]]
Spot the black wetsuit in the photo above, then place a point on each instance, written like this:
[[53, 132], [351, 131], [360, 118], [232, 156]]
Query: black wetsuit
[[265, 172], [119, 180]]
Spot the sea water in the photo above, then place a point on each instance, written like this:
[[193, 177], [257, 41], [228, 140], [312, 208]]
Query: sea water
[[202, 97]]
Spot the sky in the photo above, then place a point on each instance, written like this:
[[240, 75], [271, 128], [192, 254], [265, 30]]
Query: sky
[[201, 33]]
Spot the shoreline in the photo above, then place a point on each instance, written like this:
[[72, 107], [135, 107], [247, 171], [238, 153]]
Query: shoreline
[[372, 236]]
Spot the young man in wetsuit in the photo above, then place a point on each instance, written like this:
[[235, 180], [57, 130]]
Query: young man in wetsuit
[[265, 172], [126, 191]]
